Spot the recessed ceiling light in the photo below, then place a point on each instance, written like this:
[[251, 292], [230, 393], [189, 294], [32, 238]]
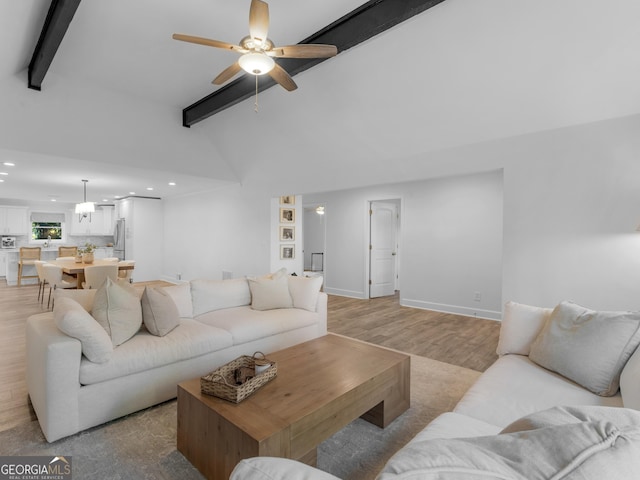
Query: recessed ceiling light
[[1, 180], [117, 196], [173, 184], [149, 188], [4, 173], [53, 200], [105, 199], [9, 164], [132, 193]]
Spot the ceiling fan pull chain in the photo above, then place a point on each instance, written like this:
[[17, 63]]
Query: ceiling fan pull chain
[[256, 93]]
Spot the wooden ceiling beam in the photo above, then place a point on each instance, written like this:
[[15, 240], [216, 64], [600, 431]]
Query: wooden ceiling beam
[[361, 24], [55, 26]]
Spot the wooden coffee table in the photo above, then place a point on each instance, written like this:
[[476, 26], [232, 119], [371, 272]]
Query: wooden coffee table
[[322, 385]]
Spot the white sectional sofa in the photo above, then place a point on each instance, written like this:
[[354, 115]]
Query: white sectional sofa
[[522, 420], [89, 375]]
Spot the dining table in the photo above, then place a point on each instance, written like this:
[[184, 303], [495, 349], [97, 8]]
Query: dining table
[[71, 267]]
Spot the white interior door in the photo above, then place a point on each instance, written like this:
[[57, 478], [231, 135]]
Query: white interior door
[[382, 249]]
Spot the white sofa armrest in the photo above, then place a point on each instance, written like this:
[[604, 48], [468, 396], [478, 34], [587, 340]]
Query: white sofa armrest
[[271, 468], [630, 382], [53, 372]]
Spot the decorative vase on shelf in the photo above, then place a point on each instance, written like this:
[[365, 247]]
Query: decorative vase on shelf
[[79, 258], [87, 257]]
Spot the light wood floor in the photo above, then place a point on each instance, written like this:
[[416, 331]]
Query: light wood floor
[[454, 339]]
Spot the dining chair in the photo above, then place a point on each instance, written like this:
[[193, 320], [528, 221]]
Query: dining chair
[[95, 275], [67, 252], [53, 276], [41, 280], [28, 256], [125, 275]]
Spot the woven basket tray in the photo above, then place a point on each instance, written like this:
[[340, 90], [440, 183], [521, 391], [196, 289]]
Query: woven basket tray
[[222, 382]]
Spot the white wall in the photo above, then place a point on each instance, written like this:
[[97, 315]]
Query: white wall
[[450, 242], [571, 206]]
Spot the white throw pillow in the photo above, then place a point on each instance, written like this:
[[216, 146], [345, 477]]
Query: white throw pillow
[[80, 295], [72, 318], [591, 348], [304, 291], [159, 312], [181, 295], [118, 311], [520, 326], [270, 292], [209, 295]]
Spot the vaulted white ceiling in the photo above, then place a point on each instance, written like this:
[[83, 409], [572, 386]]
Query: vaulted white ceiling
[[460, 73]]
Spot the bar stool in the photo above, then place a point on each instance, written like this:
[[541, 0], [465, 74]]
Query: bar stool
[[28, 257], [67, 251]]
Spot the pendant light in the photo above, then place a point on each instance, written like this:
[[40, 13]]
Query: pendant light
[[85, 209]]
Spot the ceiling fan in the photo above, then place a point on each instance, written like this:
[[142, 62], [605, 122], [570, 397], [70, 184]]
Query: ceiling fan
[[257, 51]]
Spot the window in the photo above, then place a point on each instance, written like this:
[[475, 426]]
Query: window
[[45, 225], [44, 230]]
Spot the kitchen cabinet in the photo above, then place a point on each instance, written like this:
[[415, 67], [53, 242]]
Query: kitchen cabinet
[[13, 221], [101, 223], [3, 264]]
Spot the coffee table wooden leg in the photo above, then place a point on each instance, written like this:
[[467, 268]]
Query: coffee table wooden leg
[[397, 398]]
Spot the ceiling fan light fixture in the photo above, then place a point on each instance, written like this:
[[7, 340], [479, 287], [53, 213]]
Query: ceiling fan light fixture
[[256, 63]]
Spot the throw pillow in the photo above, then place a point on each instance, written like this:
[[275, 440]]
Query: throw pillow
[[118, 311], [80, 295], [591, 348], [181, 295], [209, 295], [304, 291], [159, 312], [71, 318], [520, 327], [270, 292]]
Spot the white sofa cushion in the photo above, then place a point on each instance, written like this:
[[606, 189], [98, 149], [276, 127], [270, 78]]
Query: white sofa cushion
[[144, 351], [514, 386], [118, 310], [71, 318], [272, 468], [181, 295], [159, 312], [304, 291], [210, 295], [246, 324], [520, 326], [589, 347], [455, 425], [562, 443]]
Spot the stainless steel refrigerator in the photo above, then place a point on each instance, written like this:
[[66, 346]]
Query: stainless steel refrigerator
[[119, 239]]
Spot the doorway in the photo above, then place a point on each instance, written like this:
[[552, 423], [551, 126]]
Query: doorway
[[313, 238], [384, 225]]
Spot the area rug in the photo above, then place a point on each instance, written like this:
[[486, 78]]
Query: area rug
[[143, 445]]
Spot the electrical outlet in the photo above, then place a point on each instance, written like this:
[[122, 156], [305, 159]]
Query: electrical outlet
[[178, 276], [477, 297]]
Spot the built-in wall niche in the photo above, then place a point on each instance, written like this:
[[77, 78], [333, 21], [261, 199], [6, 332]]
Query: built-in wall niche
[[313, 227]]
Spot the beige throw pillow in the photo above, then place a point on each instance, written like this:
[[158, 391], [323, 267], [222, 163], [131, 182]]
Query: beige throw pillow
[[159, 311], [520, 326], [270, 292], [71, 318], [210, 295], [118, 311], [591, 348], [304, 291]]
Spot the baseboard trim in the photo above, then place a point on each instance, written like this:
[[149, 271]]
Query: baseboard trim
[[345, 293], [455, 309]]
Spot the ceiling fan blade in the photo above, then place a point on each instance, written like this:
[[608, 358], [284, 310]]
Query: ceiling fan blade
[[227, 74], [208, 42], [281, 76], [305, 51], [259, 20]]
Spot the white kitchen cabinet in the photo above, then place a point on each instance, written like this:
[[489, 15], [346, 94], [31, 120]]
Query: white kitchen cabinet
[[13, 221], [3, 264], [101, 223]]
